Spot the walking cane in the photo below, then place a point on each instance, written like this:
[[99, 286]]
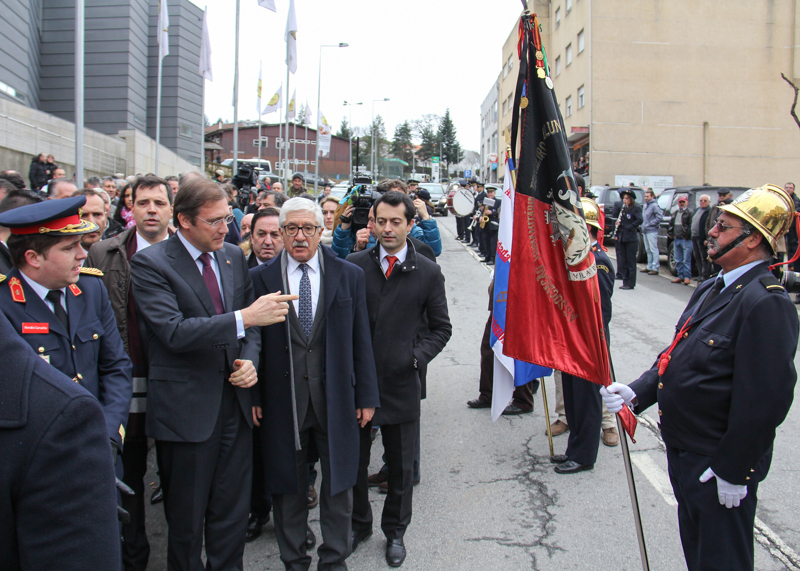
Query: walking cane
[[547, 418]]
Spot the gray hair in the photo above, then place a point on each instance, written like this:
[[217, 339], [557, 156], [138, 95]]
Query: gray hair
[[301, 205]]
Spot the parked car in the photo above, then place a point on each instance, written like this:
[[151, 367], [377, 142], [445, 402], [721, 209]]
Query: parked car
[[668, 202], [438, 197], [340, 189], [606, 197]]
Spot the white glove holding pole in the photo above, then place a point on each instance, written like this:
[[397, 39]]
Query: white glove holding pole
[[615, 395], [730, 495]]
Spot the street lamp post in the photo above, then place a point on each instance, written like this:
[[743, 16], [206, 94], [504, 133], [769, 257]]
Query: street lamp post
[[350, 170], [319, 91], [372, 154]]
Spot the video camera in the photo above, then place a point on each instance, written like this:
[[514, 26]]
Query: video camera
[[361, 195], [791, 281], [244, 181]]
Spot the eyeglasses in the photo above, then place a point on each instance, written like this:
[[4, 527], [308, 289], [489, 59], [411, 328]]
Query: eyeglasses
[[724, 227], [215, 223], [308, 229]]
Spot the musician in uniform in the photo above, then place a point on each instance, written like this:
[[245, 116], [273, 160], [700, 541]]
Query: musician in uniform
[[463, 222], [627, 237], [62, 310], [725, 383], [582, 402], [476, 228], [490, 225]]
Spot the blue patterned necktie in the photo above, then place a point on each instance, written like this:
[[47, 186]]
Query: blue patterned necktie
[[306, 316]]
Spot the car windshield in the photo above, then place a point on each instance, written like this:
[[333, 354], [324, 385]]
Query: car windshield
[[434, 188]]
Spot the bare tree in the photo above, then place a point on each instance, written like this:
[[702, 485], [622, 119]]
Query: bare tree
[[794, 104]]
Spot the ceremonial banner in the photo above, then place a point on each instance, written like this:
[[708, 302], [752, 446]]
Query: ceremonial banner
[[268, 4], [290, 115], [307, 115], [554, 317], [258, 103], [508, 372], [274, 102], [323, 136], [205, 51]]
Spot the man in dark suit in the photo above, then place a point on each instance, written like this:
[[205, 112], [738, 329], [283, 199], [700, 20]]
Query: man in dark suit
[[13, 199], [583, 403], [403, 290], [57, 496], [194, 295], [725, 383], [62, 310], [319, 384], [265, 237], [628, 223]]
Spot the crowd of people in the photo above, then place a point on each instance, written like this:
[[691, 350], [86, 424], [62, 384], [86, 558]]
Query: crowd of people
[[223, 325]]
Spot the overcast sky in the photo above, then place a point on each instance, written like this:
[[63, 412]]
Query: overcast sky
[[425, 55]]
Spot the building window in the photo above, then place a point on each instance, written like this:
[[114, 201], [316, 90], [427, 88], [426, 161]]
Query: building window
[[558, 66], [558, 17], [140, 120], [505, 71], [11, 92], [581, 97], [495, 112], [569, 54], [510, 63], [505, 108], [569, 6], [264, 142], [511, 102], [186, 130], [194, 159], [581, 41], [569, 105]]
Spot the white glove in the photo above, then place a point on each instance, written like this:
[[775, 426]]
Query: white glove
[[730, 495], [615, 395]]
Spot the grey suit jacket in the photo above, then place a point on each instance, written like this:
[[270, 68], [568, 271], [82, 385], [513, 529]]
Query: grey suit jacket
[[190, 348]]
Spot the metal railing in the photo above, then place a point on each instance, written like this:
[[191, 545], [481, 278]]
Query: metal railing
[[31, 139]]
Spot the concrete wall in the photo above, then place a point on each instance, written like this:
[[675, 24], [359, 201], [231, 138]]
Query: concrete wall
[[140, 153]]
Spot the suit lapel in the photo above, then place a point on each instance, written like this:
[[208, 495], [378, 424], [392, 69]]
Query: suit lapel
[[727, 294], [331, 274], [226, 276], [186, 267], [76, 304]]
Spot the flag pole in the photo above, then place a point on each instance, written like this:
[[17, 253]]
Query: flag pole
[[513, 174], [158, 101], [286, 118], [259, 115], [236, 95], [80, 23], [626, 456]]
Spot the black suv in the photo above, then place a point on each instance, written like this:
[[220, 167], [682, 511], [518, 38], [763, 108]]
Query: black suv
[[668, 202], [606, 197]]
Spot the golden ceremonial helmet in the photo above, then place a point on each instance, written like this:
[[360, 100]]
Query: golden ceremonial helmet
[[769, 208], [591, 212]]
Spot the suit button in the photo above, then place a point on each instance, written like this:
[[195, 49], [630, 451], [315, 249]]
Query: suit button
[[305, 376], [95, 336], [752, 470], [309, 350], [710, 341], [660, 385], [286, 374], [286, 349], [73, 347], [685, 335], [747, 478], [41, 349], [80, 377], [660, 413]]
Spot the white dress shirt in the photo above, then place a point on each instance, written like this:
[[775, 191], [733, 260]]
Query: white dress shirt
[[195, 254], [141, 244], [294, 274], [734, 275], [42, 291], [401, 257]]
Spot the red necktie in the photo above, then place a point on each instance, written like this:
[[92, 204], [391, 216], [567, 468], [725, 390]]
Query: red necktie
[[211, 283], [392, 261]]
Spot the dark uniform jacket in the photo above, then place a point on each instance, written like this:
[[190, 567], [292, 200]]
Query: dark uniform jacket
[[58, 503], [630, 220], [190, 348], [731, 380], [396, 307], [90, 353], [349, 377], [605, 280]]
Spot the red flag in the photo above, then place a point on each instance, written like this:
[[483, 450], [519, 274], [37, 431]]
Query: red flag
[[554, 318]]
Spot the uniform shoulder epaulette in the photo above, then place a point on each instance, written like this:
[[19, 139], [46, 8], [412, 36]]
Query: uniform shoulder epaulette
[[2, 278], [92, 272], [771, 283]]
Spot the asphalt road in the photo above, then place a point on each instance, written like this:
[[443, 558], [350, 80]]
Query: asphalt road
[[489, 498]]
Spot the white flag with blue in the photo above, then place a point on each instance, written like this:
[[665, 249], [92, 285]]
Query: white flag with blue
[[508, 372]]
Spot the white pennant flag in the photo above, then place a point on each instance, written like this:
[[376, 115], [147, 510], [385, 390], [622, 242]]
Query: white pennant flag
[[258, 106], [291, 113], [205, 51], [274, 102], [307, 116], [291, 39], [163, 30], [268, 4], [323, 136]]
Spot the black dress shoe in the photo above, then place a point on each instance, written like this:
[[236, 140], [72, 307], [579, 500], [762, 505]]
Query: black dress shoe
[[489, 262], [254, 525], [311, 539], [313, 498], [395, 552], [572, 467], [359, 536], [559, 459], [479, 403], [158, 496], [626, 287], [514, 409]]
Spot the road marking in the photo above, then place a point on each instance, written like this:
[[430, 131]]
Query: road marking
[[660, 481]]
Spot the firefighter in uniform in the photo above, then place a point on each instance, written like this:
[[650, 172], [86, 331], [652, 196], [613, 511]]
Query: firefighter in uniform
[[725, 383], [62, 310]]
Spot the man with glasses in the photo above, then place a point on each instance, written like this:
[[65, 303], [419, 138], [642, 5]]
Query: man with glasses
[[699, 252], [195, 297], [318, 385], [725, 383]]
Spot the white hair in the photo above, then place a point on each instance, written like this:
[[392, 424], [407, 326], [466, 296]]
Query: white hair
[[301, 205]]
